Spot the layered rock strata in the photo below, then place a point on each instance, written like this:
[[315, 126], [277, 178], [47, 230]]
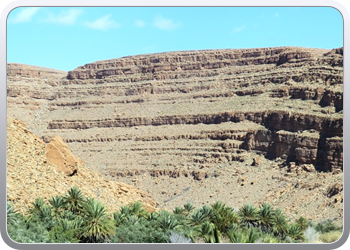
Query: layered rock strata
[[195, 87], [191, 114]]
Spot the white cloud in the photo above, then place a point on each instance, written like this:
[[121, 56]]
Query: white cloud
[[239, 29], [67, 17], [139, 23], [103, 23], [25, 15], [165, 24]]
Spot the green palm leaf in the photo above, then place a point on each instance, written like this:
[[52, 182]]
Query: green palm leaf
[[12, 216], [266, 217], [74, 200], [97, 225], [248, 215]]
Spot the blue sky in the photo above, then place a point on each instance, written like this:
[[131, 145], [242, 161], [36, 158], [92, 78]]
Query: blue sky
[[65, 38]]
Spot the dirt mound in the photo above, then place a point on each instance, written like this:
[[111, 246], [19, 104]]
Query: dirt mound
[[36, 169]]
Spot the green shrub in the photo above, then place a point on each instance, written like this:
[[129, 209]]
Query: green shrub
[[75, 218], [303, 223], [296, 233], [326, 226], [58, 234], [330, 237], [36, 232], [142, 231], [268, 239]]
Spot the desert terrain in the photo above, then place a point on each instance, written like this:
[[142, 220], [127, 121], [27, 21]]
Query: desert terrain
[[239, 126]]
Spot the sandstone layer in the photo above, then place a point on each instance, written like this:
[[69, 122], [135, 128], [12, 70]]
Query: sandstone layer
[[165, 122]]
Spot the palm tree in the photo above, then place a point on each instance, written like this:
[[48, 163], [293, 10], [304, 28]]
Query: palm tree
[[235, 236], [152, 216], [125, 210], [97, 225], [206, 230], [77, 223], [66, 224], [57, 205], [137, 209], [217, 235], [188, 208], [167, 222], [303, 223], [223, 216], [131, 219], [206, 211], [232, 233], [12, 216], [119, 218], [200, 215], [296, 233], [40, 209], [280, 227], [251, 236], [74, 200], [218, 206], [36, 207], [67, 214], [248, 215], [178, 210], [266, 217]]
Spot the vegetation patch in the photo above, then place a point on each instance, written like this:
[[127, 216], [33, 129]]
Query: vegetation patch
[[75, 218]]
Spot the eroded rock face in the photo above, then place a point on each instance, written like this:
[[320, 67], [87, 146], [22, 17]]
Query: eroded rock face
[[155, 101], [29, 71], [165, 65]]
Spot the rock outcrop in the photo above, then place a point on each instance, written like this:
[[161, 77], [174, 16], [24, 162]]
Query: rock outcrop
[[59, 155], [166, 65], [29, 71]]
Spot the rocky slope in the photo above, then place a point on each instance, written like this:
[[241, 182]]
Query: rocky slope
[[36, 169], [173, 121]]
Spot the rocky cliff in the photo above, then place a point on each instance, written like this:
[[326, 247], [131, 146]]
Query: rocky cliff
[[190, 114]]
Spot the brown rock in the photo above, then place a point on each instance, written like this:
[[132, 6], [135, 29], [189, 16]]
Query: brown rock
[[334, 189], [199, 175], [308, 168], [58, 154], [256, 161]]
